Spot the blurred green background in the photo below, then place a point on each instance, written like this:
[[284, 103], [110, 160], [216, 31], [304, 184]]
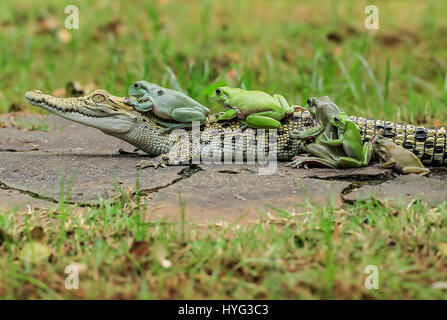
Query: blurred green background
[[296, 48]]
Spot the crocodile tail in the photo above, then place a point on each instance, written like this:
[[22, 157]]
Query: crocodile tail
[[428, 144]]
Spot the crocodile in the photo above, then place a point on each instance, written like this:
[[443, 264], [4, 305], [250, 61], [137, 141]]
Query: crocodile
[[113, 116]]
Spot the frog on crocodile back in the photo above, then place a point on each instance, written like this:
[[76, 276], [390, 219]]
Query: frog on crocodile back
[[166, 104], [255, 109]]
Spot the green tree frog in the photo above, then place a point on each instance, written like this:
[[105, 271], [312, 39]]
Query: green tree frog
[[166, 104], [394, 156], [256, 109]]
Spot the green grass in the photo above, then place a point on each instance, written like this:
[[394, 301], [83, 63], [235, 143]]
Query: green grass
[[319, 254], [38, 124], [296, 49], [397, 73]]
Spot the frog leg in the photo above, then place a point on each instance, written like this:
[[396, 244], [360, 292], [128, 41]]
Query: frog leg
[[367, 152], [348, 162], [263, 120], [143, 104], [284, 104], [171, 126], [309, 133], [345, 161], [185, 116], [417, 170], [140, 106], [324, 155], [332, 142], [227, 115], [388, 164], [339, 157]]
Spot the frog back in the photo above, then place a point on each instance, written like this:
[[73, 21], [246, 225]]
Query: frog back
[[166, 101], [352, 140], [253, 101], [404, 157]]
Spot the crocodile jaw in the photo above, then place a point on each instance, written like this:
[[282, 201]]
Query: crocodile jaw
[[83, 110]]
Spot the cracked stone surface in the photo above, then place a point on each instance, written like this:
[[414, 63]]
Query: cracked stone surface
[[89, 154], [403, 189], [11, 199], [31, 163], [93, 175], [368, 173], [212, 195]]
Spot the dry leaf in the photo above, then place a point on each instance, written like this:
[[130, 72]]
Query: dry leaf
[[63, 35], [338, 50], [436, 123], [336, 233], [82, 267], [139, 249], [443, 248], [34, 252], [37, 233], [2, 125], [115, 27], [48, 24], [74, 89], [232, 73], [334, 37], [59, 93], [234, 57], [391, 40], [88, 88]]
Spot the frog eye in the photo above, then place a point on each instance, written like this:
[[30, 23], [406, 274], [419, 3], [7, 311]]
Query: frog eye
[[309, 101], [336, 119], [136, 85], [98, 98], [218, 91]]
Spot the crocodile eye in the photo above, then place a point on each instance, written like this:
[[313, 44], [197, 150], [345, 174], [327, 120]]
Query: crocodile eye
[[218, 91], [98, 98], [136, 85]]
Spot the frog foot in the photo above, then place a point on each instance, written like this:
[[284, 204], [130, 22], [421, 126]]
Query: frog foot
[[212, 118], [244, 124], [298, 108], [303, 161], [160, 161], [130, 102], [171, 126]]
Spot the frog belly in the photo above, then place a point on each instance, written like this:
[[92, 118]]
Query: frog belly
[[162, 114]]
